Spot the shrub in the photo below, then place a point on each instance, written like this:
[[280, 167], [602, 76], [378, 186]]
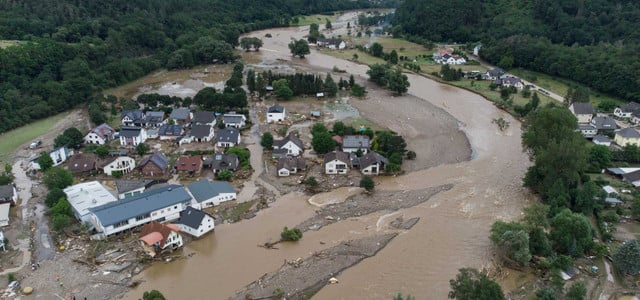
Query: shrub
[[291, 234], [367, 183], [411, 155], [225, 175], [11, 277]]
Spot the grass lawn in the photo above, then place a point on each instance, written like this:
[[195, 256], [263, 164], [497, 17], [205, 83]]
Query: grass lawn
[[404, 48], [7, 43], [321, 20], [359, 121], [10, 141], [482, 87], [348, 55]]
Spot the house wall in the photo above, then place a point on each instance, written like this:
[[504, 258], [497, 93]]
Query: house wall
[[292, 149], [275, 117], [124, 164], [131, 193], [332, 167], [226, 144], [370, 170], [622, 141], [222, 197], [93, 138], [150, 169], [283, 172], [621, 114], [206, 225], [584, 118], [168, 213], [354, 150]]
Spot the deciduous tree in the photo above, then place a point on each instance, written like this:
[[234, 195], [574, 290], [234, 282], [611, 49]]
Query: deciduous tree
[[470, 284]]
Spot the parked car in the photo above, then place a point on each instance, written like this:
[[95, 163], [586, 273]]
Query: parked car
[[35, 144]]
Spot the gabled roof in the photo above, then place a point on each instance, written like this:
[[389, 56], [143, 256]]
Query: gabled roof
[[511, 80], [228, 135], [181, 113], [192, 217], [629, 107], [220, 161], [123, 186], [200, 131], [291, 163], [601, 139], [339, 155], [170, 130], [203, 117], [141, 204], [355, 141], [372, 158], [154, 232], [130, 131], [628, 133], [189, 163], [497, 72], [604, 123], [289, 138], [233, 118], [6, 191], [154, 117], [104, 131], [335, 42], [631, 177], [83, 162], [157, 158], [275, 109], [582, 108], [135, 115], [205, 189]]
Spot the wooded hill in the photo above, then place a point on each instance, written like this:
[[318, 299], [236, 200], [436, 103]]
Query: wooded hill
[[594, 42]]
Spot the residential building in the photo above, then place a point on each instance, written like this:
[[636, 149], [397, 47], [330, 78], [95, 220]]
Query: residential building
[[170, 132], [512, 82], [353, 143], [276, 113], [445, 57], [583, 111], [133, 117], [331, 43], [156, 238], [494, 74], [627, 136], [207, 193], [221, 161], [604, 124], [120, 164], [154, 119], [195, 222], [130, 188], [154, 165], [202, 133], [156, 204], [83, 163], [58, 156], [601, 140], [587, 130], [8, 194], [234, 120], [132, 136], [100, 135], [204, 118], [189, 164], [337, 162], [5, 208], [476, 50], [372, 163], [228, 137], [181, 116], [626, 110], [87, 195], [290, 165], [289, 146], [632, 178]]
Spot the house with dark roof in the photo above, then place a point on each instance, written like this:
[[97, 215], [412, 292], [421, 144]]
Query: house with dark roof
[[133, 117], [627, 136], [587, 130], [8, 194], [228, 137], [221, 161], [84, 163], [353, 143], [494, 74], [626, 110], [276, 113], [202, 133], [331, 43], [154, 119], [601, 140], [208, 193], [195, 222], [154, 165], [161, 204], [583, 111], [100, 135], [58, 155], [512, 82], [204, 118], [337, 162], [189, 164], [234, 120], [181, 116], [170, 132], [604, 124], [290, 165], [130, 188], [156, 238], [132, 136], [372, 163], [632, 178], [291, 145]]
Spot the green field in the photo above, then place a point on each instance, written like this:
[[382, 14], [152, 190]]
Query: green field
[[7, 43], [10, 141], [482, 87], [321, 20]]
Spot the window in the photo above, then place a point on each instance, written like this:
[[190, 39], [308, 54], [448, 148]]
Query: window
[[175, 207], [142, 217], [120, 224]]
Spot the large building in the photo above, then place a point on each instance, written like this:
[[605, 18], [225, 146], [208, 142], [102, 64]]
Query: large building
[[87, 195]]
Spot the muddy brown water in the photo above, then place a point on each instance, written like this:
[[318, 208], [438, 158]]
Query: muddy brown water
[[452, 232]]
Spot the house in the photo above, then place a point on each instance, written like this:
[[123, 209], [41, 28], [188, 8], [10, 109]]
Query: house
[[601, 140], [353, 143], [276, 113], [438, 55], [156, 204], [195, 222], [632, 178], [290, 165], [476, 50], [120, 164], [202, 133], [336, 162], [185, 139], [207, 193], [130, 188], [512, 82], [331, 43], [132, 136], [154, 119], [613, 201], [228, 137], [156, 238], [170, 132], [583, 111], [5, 208], [154, 165], [58, 156], [604, 124], [635, 117], [234, 120], [609, 190], [626, 110], [87, 195], [372, 163], [122, 152], [189, 164], [133, 117], [289, 146], [181, 116], [627, 136], [587, 130], [8, 194], [83, 163], [204, 118], [100, 135], [494, 74], [220, 161], [453, 60]]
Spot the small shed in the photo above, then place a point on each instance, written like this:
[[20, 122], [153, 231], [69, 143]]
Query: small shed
[[316, 113], [613, 201], [609, 190]]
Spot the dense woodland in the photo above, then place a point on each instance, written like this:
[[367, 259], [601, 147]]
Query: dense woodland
[[70, 50], [594, 42]]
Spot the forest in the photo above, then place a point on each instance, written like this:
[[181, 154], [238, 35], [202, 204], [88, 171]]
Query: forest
[[70, 50], [594, 42]]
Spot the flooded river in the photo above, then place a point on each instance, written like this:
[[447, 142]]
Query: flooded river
[[452, 232]]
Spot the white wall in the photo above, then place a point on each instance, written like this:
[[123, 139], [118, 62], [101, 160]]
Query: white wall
[[168, 213]]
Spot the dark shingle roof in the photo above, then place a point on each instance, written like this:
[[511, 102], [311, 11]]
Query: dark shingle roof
[[200, 131], [630, 107], [232, 119], [628, 133], [601, 139], [339, 155], [372, 158], [276, 109], [104, 131], [172, 130], [123, 186], [192, 217], [497, 72], [604, 123], [355, 141], [6, 191], [204, 189], [203, 117], [631, 177], [221, 161], [582, 108], [136, 115], [290, 138], [83, 162], [130, 131], [228, 135], [180, 113], [189, 163], [291, 163], [158, 159], [154, 117]]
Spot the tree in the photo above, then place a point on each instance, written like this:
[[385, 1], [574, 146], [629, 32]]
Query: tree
[[546, 294], [54, 196], [250, 42], [357, 90], [512, 240], [102, 151], [71, 137], [378, 74], [635, 208], [400, 297], [376, 49], [571, 233], [322, 142], [282, 90], [352, 80], [627, 258], [293, 234], [152, 295], [267, 140], [318, 128], [398, 82], [328, 25], [251, 81], [57, 178], [330, 86], [367, 183], [225, 175], [537, 215], [339, 128], [600, 157], [142, 149], [45, 161], [576, 292], [393, 57], [299, 48], [473, 285], [311, 182]]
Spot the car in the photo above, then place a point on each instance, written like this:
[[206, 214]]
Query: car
[[35, 144]]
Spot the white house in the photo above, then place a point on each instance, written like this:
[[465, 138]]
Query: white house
[[627, 136], [336, 162], [289, 146], [207, 193], [476, 50], [8, 194], [276, 113], [123, 164], [4, 216], [202, 133], [353, 143], [587, 130], [100, 135], [626, 110], [228, 137], [331, 43], [512, 82], [234, 120], [601, 140], [195, 222], [156, 238], [583, 111], [133, 117], [372, 163], [130, 188], [132, 136], [290, 165], [58, 156], [87, 195]]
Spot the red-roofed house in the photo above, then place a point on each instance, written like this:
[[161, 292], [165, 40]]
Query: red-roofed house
[[100, 135], [156, 238], [189, 164]]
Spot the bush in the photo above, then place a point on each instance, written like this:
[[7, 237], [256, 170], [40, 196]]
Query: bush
[[610, 216], [411, 155], [225, 175], [311, 182], [53, 196], [267, 140], [367, 183], [11, 277], [291, 234], [153, 295], [60, 222]]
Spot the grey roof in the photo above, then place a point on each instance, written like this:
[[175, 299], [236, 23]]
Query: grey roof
[[372, 158], [233, 119], [136, 115], [631, 177], [122, 152], [584, 127], [228, 135], [6, 191], [221, 161], [158, 159], [601, 139], [291, 163], [582, 108], [629, 107], [104, 131], [612, 200], [511, 80], [172, 130], [203, 117], [130, 131], [604, 123], [181, 113], [123, 186], [355, 141], [339, 155], [154, 117], [289, 138], [141, 204], [276, 109], [204, 189], [200, 131], [497, 72], [335, 42], [628, 133], [192, 217]]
